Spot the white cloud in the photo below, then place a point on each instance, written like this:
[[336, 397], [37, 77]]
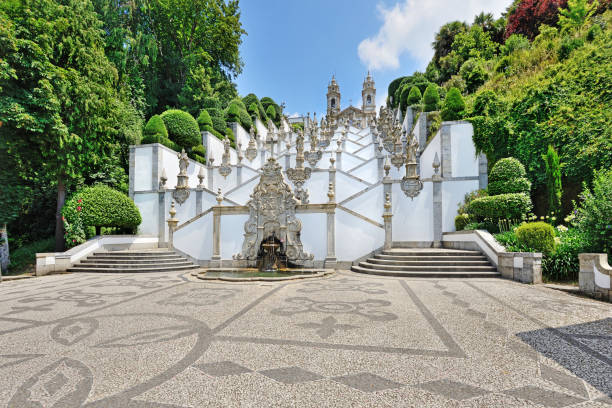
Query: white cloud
[[410, 27]]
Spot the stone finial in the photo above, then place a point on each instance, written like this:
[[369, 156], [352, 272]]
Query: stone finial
[[211, 162], [219, 196], [240, 156], [331, 193], [387, 202], [436, 164], [339, 143], [387, 166], [201, 177], [172, 210], [332, 162], [163, 179]]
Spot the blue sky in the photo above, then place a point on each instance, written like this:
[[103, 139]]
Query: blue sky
[[293, 47]]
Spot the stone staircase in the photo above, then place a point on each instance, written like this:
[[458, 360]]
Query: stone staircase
[[145, 260], [428, 263]]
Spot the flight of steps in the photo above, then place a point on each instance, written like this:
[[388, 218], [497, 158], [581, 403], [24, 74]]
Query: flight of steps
[[428, 263], [144, 260]]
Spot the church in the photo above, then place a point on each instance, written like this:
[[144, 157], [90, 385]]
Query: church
[[354, 116]]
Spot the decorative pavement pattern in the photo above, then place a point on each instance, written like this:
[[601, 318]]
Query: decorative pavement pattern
[[170, 340]]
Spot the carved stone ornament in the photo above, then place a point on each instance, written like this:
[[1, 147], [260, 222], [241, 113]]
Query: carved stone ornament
[[397, 157], [181, 190], [313, 155], [225, 169], [251, 150], [272, 212], [299, 174], [411, 184]]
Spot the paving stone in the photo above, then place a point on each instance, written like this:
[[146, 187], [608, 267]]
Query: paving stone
[[563, 380], [543, 397], [367, 382], [222, 368], [453, 389], [291, 375]]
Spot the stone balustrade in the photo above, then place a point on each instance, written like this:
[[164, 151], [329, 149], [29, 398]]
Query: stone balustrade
[[594, 276]]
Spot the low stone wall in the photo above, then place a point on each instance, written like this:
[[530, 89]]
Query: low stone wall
[[525, 267], [53, 262], [595, 275]]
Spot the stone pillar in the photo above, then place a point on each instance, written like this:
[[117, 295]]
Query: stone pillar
[[330, 259], [387, 217], [161, 217], [4, 250], [445, 133], [595, 285], [211, 172], [132, 170], [199, 205], [483, 177], [216, 256], [172, 223], [437, 210], [239, 173]]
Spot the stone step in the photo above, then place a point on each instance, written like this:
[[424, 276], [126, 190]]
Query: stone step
[[421, 262], [430, 258], [80, 268], [427, 268], [131, 265], [428, 252], [143, 259], [163, 252], [427, 274]]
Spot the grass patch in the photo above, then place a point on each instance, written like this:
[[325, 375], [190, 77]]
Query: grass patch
[[23, 259]]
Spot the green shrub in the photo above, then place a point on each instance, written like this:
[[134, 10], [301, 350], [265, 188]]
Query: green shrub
[[519, 185], [461, 221], [204, 120], [453, 107], [414, 96], [238, 102], [230, 134], [431, 98], [553, 180], [502, 206], [182, 128], [245, 120], [252, 99], [271, 112], [568, 45], [593, 32], [468, 198], [472, 226], [170, 145], [232, 114], [98, 206], [510, 242], [253, 111], [503, 64], [514, 43], [210, 102], [594, 214], [154, 130], [148, 139], [537, 235], [473, 73], [199, 150], [563, 264], [24, 257]]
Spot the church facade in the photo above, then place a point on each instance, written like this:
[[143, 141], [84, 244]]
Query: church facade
[[354, 116]]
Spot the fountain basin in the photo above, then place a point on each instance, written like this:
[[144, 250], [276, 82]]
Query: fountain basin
[[253, 274]]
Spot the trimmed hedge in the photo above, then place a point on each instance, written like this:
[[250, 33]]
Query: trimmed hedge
[[182, 128], [155, 127], [520, 185], [502, 206], [232, 113], [204, 120], [271, 112], [537, 235], [245, 120], [199, 150], [508, 176], [414, 96], [431, 98], [461, 221], [98, 206], [453, 107]]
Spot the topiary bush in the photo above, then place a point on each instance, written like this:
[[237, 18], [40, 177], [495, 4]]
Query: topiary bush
[[98, 206], [537, 235], [271, 112], [232, 114], [204, 121], [210, 102], [182, 128], [154, 130], [594, 214], [508, 176], [245, 120], [431, 98], [198, 153], [414, 96], [453, 107], [502, 206]]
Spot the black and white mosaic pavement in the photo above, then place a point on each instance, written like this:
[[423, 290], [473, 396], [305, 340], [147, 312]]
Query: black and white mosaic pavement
[[170, 340]]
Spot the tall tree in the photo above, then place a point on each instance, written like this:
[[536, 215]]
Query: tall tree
[[60, 109], [443, 42], [553, 181]]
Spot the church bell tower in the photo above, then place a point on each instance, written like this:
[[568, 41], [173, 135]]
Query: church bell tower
[[333, 100], [368, 96]]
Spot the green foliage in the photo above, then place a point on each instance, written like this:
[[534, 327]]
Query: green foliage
[[204, 121], [414, 96], [253, 111], [510, 242], [266, 102], [431, 98], [453, 107], [568, 45], [297, 127], [594, 213], [252, 99], [210, 102], [400, 96], [461, 221], [155, 128], [563, 264], [553, 181], [473, 73], [537, 235], [593, 32], [271, 112], [514, 43], [98, 206], [468, 198], [576, 14], [393, 86], [245, 120], [199, 150], [232, 113], [508, 176], [434, 121], [24, 258], [182, 128], [502, 206]]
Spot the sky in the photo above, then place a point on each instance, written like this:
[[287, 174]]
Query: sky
[[294, 47]]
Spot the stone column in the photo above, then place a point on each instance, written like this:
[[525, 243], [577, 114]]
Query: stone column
[[483, 177], [161, 215], [132, 169], [445, 141], [216, 256], [437, 210], [239, 173], [172, 223], [330, 261], [211, 172], [387, 215]]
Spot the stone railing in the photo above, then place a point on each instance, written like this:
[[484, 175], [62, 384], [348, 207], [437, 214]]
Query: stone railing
[[54, 262], [525, 267], [594, 277]]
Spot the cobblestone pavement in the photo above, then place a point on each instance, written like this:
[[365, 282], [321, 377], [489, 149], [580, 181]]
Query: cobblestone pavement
[[170, 340]]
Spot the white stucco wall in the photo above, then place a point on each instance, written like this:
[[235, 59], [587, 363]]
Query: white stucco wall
[[314, 234], [195, 239], [143, 156], [413, 219], [232, 230], [355, 237], [428, 155], [463, 152], [453, 193], [148, 205]]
